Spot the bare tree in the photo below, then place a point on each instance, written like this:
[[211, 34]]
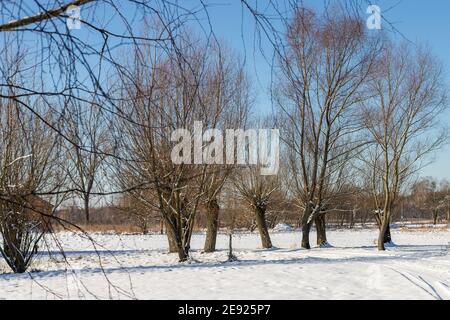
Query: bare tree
[[68, 66], [230, 101], [88, 128], [139, 212], [173, 91], [321, 74], [28, 167], [401, 120], [256, 190], [429, 196]]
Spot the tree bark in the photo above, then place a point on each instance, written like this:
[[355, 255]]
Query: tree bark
[[305, 236], [385, 230], [385, 234], [42, 16], [183, 253], [321, 231], [342, 220], [262, 227], [212, 225], [13, 257], [86, 208], [172, 238], [435, 216], [176, 243], [306, 227]]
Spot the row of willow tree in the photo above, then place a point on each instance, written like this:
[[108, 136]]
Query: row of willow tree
[[95, 120]]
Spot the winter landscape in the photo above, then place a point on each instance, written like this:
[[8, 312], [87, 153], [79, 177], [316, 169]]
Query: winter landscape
[[223, 150], [139, 267]]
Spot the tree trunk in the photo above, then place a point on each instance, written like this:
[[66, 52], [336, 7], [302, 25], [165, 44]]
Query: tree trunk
[[144, 227], [176, 244], [342, 220], [14, 257], [183, 252], [172, 238], [262, 227], [306, 227], [212, 225], [305, 236], [321, 231], [385, 234], [352, 219], [435, 216], [86, 208], [231, 256]]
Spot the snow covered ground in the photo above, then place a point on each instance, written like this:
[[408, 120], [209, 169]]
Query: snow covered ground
[[137, 266]]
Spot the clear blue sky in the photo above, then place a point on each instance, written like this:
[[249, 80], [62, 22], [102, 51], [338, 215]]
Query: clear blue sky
[[418, 20], [426, 22]]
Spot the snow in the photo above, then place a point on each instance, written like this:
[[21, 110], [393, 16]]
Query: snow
[[282, 227], [138, 267]]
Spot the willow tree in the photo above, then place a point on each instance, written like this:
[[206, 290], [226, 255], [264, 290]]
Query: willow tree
[[257, 190], [401, 120], [29, 167], [171, 99], [228, 100], [321, 73]]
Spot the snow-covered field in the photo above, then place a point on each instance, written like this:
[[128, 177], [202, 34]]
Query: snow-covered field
[[137, 266]]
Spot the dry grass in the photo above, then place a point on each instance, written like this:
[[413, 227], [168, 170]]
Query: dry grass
[[106, 228], [419, 226], [439, 228]]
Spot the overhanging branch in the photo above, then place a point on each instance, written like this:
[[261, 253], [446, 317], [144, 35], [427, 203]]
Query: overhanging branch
[[46, 15]]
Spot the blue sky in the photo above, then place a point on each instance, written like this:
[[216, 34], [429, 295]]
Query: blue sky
[[428, 22], [425, 22]]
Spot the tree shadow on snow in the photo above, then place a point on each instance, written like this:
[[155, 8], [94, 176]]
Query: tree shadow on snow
[[412, 252]]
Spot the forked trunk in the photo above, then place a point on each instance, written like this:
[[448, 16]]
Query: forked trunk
[[183, 253], [176, 243], [212, 225], [14, 258], [262, 227]]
